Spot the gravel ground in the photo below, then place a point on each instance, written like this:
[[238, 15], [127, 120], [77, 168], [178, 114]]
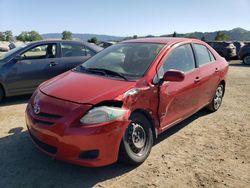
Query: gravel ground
[[206, 150]]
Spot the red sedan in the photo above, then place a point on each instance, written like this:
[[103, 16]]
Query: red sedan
[[115, 104]]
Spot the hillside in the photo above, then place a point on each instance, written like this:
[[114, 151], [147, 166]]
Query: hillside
[[83, 37], [238, 34]]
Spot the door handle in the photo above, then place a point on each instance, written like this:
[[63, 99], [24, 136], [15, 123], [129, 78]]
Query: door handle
[[52, 64], [197, 80]]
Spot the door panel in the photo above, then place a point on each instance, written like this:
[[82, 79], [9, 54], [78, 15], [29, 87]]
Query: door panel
[[32, 69], [209, 82], [179, 99]]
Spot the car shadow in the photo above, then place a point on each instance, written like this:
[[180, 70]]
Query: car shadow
[[15, 100], [22, 165], [181, 125]]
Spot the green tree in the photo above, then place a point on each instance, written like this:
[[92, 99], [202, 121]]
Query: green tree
[[33, 36], [221, 36], [93, 40], [135, 37], [66, 35], [2, 38], [174, 34], [8, 35], [29, 36], [22, 36]]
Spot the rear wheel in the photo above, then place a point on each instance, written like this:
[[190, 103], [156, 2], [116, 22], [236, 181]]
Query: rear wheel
[[137, 141], [217, 99], [1, 94], [246, 59]]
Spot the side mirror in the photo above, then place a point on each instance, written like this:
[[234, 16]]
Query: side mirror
[[173, 76]]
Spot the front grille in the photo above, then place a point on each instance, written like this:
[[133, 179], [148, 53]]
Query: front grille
[[44, 118], [45, 115], [42, 122], [46, 147]]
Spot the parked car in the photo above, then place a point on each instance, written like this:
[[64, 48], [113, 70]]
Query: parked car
[[105, 44], [244, 54], [225, 49], [115, 104], [23, 68], [238, 45]]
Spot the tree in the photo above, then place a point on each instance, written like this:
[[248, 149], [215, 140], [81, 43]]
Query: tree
[[22, 36], [8, 35], [2, 38], [29, 36], [93, 40], [174, 34], [135, 37], [33, 36], [66, 35], [221, 36], [203, 38]]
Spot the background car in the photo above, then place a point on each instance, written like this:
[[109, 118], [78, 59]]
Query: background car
[[238, 45], [105, 44], [225, 49], [117, 102], [23, 68], [244, 54]]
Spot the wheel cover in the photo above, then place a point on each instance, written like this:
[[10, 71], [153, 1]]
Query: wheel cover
[[218, 97], [136, 138], [247, 59]]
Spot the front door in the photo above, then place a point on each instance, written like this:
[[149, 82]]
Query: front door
[[36, 65], [179, 99]]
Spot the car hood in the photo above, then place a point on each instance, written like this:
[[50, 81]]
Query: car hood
[[84, 88]]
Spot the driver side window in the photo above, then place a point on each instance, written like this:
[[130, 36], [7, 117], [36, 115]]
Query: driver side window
[[40, 52], [181, 58]]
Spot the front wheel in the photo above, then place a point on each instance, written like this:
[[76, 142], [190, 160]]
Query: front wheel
[[246, 59], [137, 141], [1, 94], [217, 99]]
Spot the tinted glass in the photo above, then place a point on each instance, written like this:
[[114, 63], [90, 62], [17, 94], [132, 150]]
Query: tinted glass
[[202, 54], [40, 52], [130, 59], [73, 50], [181, 58]]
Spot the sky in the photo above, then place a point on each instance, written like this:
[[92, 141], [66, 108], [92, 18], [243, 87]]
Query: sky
[[123, 17]]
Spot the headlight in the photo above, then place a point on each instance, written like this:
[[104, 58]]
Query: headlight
[[103, 114]]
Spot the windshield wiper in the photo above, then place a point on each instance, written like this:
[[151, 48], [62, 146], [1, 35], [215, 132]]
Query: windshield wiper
[[108, 72]]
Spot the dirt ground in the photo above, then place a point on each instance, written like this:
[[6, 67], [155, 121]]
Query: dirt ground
[[206, 150]]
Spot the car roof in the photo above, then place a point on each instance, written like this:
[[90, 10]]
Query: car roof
[[161, 40], [93, 47]]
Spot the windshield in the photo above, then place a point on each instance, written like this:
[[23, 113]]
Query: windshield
[[3, 56], [125, 59]]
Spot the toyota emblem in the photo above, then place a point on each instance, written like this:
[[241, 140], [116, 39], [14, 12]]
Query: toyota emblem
[[36, 108]]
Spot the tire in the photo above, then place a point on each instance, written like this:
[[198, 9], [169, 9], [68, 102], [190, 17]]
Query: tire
[[246, 59], [1, 94], [217, 99], [137, 141]]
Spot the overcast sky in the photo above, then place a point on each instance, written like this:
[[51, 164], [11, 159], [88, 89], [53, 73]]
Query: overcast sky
[[123, 17]]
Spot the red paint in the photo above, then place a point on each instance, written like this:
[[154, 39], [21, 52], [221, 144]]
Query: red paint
[[69, 96]]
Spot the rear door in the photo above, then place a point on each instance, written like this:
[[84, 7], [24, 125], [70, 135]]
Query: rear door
[[179, 99], [73, 54], [35, 66], [209, 71]]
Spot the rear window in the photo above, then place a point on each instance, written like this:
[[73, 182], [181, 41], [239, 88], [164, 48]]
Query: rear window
[[202, 54], [75, 50]]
